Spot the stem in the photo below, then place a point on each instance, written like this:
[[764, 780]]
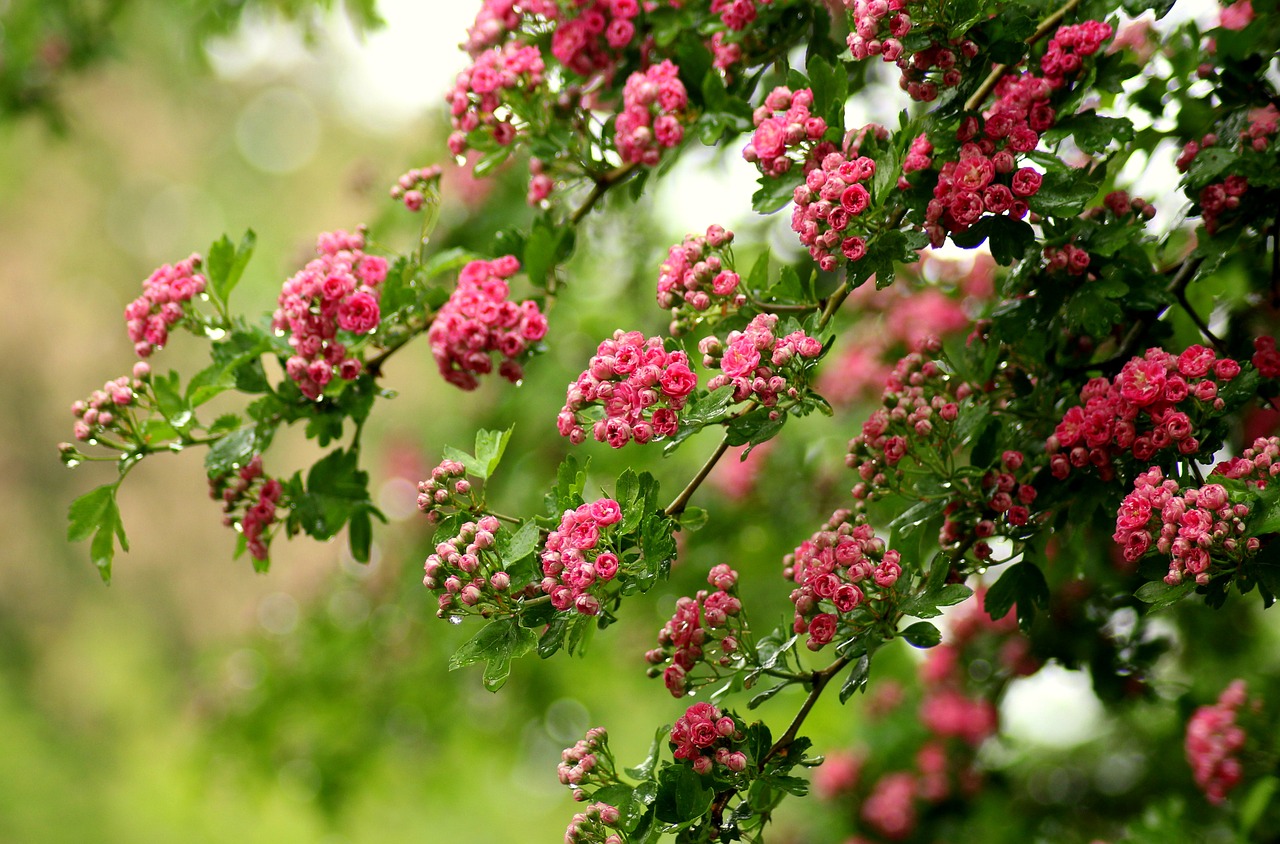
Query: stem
[[820, 681], [1045, 27], [1200, 323], [600, 186], [676, 507]]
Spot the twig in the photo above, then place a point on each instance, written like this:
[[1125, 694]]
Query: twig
[[681, 501], [599, 188], [820, 681]]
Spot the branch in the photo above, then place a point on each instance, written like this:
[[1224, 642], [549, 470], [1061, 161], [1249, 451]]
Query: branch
[[1046, 26], [599, 188], [681, 501]]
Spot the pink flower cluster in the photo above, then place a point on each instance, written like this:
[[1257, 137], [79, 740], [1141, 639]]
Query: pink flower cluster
[[1213, 741], [412, 187], [640, 386], [1068, 45], [737, 15], [784, 125], [920, 403], [249, 484], [498, 18], [1157, 402], [479, 91], [831, 199], [986, 179], [578, 559], [479, 320], [1196, 529], [698, 274], [878, 29], [653, 107], [890, 807], [447, 487], [104, 410], [706, 737], [149, 317], [1266, 359], [591, 41], [1222, 197], [684, 642], [835, 571], [758, 364], [339, 290], [466, 572]]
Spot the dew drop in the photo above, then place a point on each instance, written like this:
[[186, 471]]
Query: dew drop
[[455, 619]]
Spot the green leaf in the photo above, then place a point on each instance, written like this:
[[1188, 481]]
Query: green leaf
[[645, 769], [231, 451], [226, 263], [1022, 585], [360, 535], [1091, 131], [1255, 804], [767, 694], [95, 513], [682, 794], [1159, 594], [857, 678], [922, 634], [169, 398], [693, 518], [489, 448], [498, 643], [336, 489], [1009, 239], [1065, 193], [514, 547], [774, 193]]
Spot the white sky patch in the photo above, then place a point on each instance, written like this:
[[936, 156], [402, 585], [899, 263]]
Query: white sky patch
[[1052, 708]]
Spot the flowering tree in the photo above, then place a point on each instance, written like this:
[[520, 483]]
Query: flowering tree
[[1063, 436]]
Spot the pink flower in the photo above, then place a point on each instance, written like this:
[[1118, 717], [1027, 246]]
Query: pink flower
[[358, 314], [1236, 16]]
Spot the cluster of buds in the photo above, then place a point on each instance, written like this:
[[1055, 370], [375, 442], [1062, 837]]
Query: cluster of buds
[[920, 404], [579, 558], [249, 501], [1199, 529], [639, 385], [784, 127], [1068, 258], [759, 365], [105, 410], [878, 29], [1220, 198], [164, 293], [415, 186], [836, 571], [1157, 402], [1256, 465], [684, 642], [830, 201], [479, 92], [698, 275], [479, 320], [595, 825], [999, 505], [588, 763], [653, 108], [447, 487], [1213, 740], [466, 571], [706, 738], [339, 290], [499, 18], [1119, 203]]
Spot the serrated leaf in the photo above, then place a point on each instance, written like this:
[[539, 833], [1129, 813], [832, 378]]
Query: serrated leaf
[[1064, 193], [1022, 585], [645, 769], [520, 544], [490, 446], [90, 511], [767, 694]]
